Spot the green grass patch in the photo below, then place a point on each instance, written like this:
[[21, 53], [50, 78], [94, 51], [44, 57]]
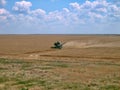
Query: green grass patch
[[3, 79], [25, 82], [59, 64], [24, 88], [31, 82], [26, 66], [45, 67], [77, 86], [10, 61], [24, 75], [108, 63], [110, 87]]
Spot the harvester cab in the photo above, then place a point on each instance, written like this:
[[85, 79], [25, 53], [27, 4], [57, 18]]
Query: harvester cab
[[57, 45]]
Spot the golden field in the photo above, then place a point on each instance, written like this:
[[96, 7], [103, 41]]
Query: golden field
[[86, 62]]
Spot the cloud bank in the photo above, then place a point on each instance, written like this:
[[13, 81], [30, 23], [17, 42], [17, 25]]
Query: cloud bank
[[97, 15], [22, 7]]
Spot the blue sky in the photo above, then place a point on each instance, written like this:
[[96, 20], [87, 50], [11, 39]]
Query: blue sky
[[59, 16]]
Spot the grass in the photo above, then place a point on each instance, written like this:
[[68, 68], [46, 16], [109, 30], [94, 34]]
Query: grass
[[59, 75], [71, 68], [3, 79], [110, 87], [59, 64]]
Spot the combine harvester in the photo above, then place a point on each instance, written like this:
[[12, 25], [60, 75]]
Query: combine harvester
[[58, 45]]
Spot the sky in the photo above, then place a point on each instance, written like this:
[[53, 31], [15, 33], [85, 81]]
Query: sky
[[59, 16]]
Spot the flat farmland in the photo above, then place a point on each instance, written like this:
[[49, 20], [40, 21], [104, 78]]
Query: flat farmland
[[86, 62]]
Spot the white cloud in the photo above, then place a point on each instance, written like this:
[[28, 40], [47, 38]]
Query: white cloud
[[101, 10], [3, 11], [22, 6], [75, 5], [88, 13], [2, 2], [114, 8], [98, 4], [88, 5], [4, 17], [4, 14], [38, 13], [66, 10], [95, 17]]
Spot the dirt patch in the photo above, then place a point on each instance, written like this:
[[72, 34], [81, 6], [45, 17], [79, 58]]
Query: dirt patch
[[79, 46], [91, 43]]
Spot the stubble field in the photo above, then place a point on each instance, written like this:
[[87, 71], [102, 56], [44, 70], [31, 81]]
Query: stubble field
[[86, 62]]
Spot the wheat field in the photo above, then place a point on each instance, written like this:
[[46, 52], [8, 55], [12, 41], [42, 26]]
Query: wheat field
[[86, 62]]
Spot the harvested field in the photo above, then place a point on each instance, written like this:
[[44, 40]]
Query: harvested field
[[86, 62]]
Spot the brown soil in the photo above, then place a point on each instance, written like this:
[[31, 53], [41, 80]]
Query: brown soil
[[76, 46]]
